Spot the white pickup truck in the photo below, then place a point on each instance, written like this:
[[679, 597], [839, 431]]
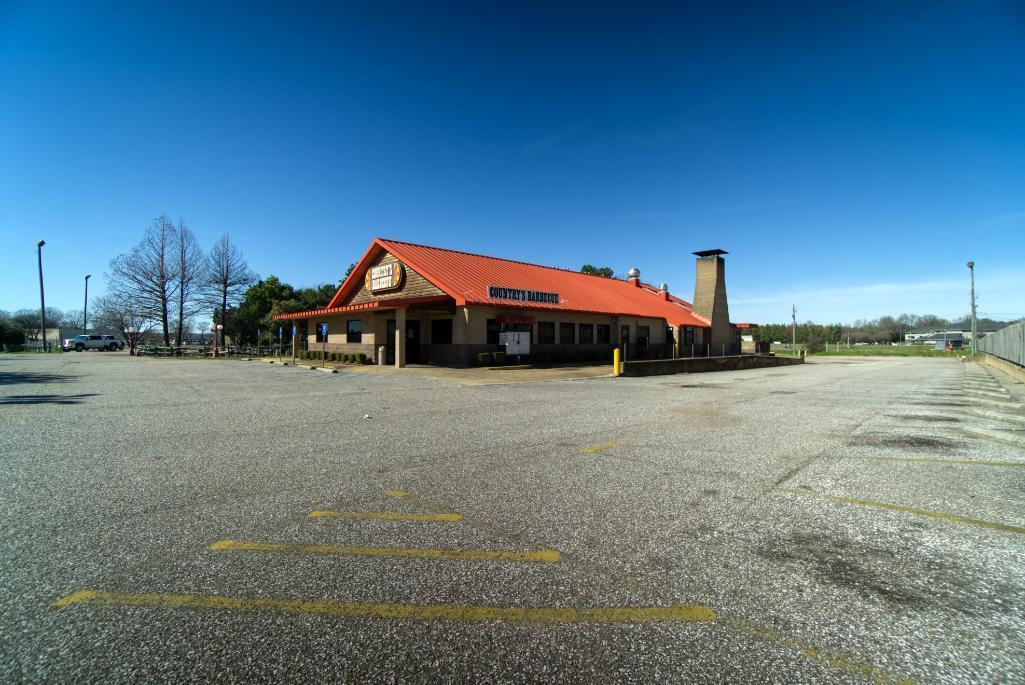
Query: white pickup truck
[[80, 343]]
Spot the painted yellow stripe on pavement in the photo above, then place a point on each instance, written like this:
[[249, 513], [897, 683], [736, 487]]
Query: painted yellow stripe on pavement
[[939, 515], [545, 555], [969, 462], [600, 448], [680, 613], [397, 493], [387, 516]]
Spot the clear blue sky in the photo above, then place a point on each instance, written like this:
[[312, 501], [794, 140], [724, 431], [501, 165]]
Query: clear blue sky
[[850, 157]]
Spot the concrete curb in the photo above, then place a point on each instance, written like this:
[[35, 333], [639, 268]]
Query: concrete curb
[[326, 369], [998, 415], [997, 436]]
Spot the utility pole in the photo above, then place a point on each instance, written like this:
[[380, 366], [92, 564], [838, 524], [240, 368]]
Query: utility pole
[[971, 281], [42, 298], [793, 328], [85, 307]]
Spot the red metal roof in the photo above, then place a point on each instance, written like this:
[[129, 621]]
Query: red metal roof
[[466, 277]]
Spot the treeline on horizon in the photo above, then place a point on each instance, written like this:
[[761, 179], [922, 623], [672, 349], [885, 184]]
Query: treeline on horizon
[[884, 330]]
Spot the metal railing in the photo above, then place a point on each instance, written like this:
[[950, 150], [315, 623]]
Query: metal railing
[[1008, 343]]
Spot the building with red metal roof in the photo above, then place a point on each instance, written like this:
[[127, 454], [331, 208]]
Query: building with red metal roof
[[425, 304]]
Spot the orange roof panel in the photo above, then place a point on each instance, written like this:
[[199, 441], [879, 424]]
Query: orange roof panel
[[467, 277]]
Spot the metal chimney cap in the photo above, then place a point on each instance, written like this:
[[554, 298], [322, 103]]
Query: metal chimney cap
[[633, 273], [664, 288]]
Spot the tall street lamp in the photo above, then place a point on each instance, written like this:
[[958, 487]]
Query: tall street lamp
[[42, 298], [85, 308], [215, 330], [130, 334], [971, 286]]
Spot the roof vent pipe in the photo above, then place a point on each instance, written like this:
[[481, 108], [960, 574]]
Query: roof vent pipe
[[634, 276], [664, 291]]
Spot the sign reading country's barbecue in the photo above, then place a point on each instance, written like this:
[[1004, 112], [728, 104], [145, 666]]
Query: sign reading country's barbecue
[[497, 292]]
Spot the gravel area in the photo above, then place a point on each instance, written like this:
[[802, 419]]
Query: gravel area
[[838, 519]]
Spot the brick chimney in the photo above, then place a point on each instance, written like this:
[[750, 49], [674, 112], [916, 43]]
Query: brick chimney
[[710, 298]]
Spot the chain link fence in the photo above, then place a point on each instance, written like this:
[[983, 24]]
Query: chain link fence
[[1007, 343]]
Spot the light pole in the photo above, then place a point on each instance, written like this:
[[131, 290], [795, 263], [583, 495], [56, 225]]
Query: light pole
[[130, 335], [971, 282], [215, 330], [42, 298], [85, 308]]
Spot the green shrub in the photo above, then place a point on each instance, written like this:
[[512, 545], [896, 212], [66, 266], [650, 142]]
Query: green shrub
[[350, 359], [484, 358], [361, 359], [499, 357]]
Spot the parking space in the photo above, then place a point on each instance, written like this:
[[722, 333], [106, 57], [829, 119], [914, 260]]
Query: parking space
[[842, 521]]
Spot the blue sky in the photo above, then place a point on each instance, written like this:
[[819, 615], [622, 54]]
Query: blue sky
[[850, 157]]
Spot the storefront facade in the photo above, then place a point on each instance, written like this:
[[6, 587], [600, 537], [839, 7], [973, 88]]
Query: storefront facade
[[427, 305]]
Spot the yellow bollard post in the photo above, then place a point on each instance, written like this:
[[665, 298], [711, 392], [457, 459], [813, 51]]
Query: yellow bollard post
[[615, 362]]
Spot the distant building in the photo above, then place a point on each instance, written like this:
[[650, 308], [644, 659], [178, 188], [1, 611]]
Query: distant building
[[960, 331]]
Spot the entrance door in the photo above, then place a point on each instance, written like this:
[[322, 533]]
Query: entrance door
[[389, 343], [412, 342]]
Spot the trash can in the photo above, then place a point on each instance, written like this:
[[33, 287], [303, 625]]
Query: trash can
[[380, 355]]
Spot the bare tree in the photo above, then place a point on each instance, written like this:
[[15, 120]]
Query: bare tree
[[69, 319], [147, 276], [228, 276], [117, 312], [191, 270]]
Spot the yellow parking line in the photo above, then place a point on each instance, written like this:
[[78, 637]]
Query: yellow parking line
[[397, 493], [600, 448], [939, 515], [550, 556], [679, 613], [386, 516], [929, 460]]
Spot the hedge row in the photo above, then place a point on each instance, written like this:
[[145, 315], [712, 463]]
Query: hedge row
[[338, 357]]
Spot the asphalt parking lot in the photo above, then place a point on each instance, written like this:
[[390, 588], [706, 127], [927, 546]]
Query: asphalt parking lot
[[849, 520]]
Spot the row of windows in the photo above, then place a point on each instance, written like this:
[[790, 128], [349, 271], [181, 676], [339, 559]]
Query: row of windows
[[569, 333], [441, 331]]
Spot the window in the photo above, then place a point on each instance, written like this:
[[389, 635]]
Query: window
[[524, 328], [545, 332], [586, 333], [441, 332], [604, 333], [354, 331], [688, 336], [567, 333], [494, 328], [624, 335], [321, 325]]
